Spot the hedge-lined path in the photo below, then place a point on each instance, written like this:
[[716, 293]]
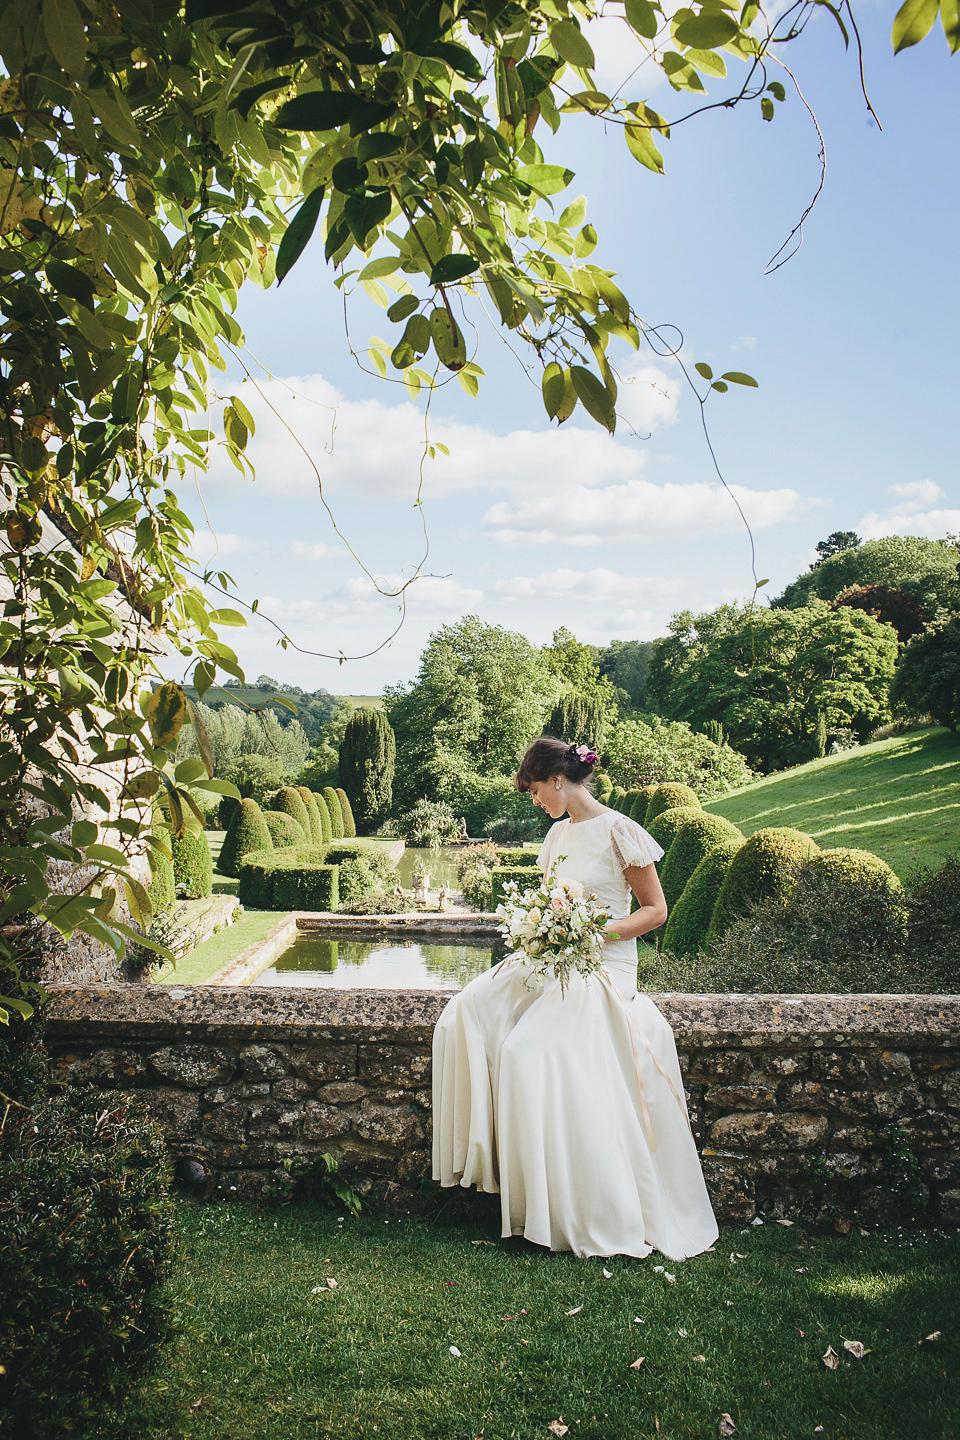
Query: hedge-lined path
[[270, 1350], [899, 798]]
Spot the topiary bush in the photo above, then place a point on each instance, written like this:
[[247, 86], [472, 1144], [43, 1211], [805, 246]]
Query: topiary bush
[[257, 869], [689, 921], [367, 757], [247, 831], [615, 798], [285, 833], [287, 801], [336, 814], [631, 801], [349, 824], [701, 834], [192, 864], [308, 887], [86, 1231], [669, 797], [602, 786], [162, 887], [764, 866], [669, 824], [840, 928], [314, 814], [326, 823]]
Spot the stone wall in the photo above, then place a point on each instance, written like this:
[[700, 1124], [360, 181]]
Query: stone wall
[[804, 1106]]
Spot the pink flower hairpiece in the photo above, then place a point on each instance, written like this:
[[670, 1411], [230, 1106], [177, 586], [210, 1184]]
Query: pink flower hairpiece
[[583, 753]]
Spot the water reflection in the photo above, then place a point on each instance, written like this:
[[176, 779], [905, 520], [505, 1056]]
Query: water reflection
[[379, 964]]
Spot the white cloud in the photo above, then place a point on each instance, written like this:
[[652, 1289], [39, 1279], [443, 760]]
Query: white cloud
[[301, 550], [600, 586], [916, 514], [207, 546], [359, 597], [373, 448], [637, 510]]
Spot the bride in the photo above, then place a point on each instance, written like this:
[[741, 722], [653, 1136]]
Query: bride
[[571, 1106]]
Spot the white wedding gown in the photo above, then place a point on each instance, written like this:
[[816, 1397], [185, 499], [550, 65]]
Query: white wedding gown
[[571, 1106]]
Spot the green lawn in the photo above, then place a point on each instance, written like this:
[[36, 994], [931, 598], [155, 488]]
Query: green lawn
[[740, 1330], [899, 798]]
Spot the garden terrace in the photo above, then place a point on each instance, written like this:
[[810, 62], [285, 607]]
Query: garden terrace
[[804, 1106]]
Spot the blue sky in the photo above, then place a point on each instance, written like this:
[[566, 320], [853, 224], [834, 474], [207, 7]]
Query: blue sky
[[854, 343]]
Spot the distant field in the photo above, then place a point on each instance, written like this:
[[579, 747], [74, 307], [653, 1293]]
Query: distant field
[[250, 695], [899, 798], [364, 702]]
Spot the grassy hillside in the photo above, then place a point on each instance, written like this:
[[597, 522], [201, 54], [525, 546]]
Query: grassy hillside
[[250, 695], [899, 798]]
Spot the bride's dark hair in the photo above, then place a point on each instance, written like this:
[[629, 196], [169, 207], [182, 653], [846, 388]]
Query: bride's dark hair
[[546, 757]]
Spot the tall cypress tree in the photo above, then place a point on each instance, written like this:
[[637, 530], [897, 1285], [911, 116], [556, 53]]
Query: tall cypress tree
[[367, 755]]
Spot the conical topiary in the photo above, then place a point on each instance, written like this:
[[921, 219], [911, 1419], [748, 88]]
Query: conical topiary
[[349, 826], [336, 814], [641, 807], [367, 757], [689, 920], [161, 887], [285, 833], [702, 834], [667, 797], [602, 787], [287, 800], [192, 864], [326, 824], [309, 799], [668, 825], [763, 866], [247, 831], [616, 796], [629, 800]]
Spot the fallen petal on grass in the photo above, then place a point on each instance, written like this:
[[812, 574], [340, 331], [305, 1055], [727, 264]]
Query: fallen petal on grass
[[701, 1359], [931, 1339], [856, 1348], [576, 1310], [635, 1364], [726, 1426], [608, 1274], [785, 1222], [831, 1360], [557, 1427], [455, 1352]]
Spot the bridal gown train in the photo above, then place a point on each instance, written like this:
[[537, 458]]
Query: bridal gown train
[[571, 1106]]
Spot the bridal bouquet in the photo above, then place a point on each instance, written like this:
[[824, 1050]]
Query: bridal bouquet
[[557, 926]]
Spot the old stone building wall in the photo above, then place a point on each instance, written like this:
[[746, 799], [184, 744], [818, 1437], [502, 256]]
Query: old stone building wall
[[813, 1106]]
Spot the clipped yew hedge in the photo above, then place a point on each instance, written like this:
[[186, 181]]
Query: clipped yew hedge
[[501, 874], [309, 799], [702, 834], [332, 801], [288, 801], [669, 824], [669, 796], [689, 920], [246, 832], [632, 800], [259, 890], [349, 824], [285, 833], [192, 864], [763, 867]]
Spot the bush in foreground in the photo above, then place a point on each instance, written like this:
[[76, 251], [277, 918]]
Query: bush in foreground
[[699, 837], [85, 1248], [162, 886], [670, 823], [669, 796], [934, 919]]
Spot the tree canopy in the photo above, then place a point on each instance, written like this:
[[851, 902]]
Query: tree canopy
[[925, 570]]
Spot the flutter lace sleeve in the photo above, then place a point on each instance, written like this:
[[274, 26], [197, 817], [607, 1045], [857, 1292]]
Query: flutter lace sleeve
[[632, 845]]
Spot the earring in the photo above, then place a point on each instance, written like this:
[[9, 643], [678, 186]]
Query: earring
[[556, 784]]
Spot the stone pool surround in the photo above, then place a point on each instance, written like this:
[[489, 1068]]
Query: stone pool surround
[[789, 1095]]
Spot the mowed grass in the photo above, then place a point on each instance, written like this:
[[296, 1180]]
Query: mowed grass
[[265, 1353], [899, 798]]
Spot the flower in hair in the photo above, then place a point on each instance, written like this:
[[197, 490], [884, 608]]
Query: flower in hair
[[583, 753]]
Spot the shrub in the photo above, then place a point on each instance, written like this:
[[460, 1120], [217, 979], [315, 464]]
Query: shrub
[[695, 839], [669, 797], [670, 823], [860, 865], [634, 800], [499, 876], [314, 815], [285, 833], [474, 866], [367, 757], [349, 824], [308, 887], [380, 902], [840, 928], [288, 801], [162, 887], [85, 1248], [485, 854], [326, 824], [764, 866], [648, 750], [602, 787], [526, 859], [689, 921], [927, 677], [517, 821], [934, 921], [429, 823], [247, 831], [336, 814], [356, 881], [255, 891], [192, 864], [615, 798]]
